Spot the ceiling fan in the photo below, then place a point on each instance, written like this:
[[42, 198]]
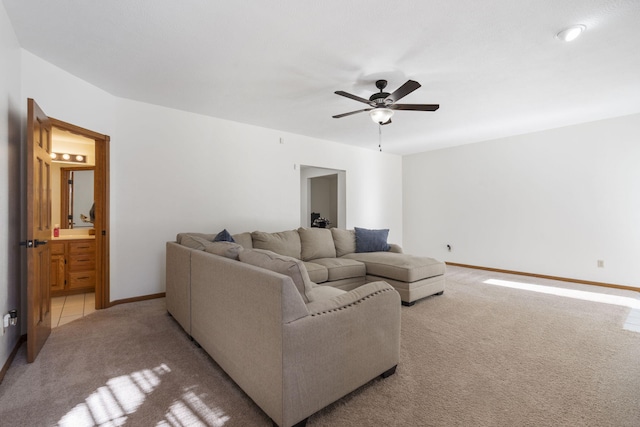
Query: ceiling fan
[[383, 104]]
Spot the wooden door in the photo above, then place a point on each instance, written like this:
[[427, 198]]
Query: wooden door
[[38, 229]]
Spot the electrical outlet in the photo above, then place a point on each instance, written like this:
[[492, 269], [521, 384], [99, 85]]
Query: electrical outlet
[[5, 323], [600, 263]]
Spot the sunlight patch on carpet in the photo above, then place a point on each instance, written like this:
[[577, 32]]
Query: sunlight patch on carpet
[[190, 410], [121, 396], [633, 321], [570, 293]]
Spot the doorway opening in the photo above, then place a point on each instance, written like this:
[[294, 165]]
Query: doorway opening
[[80, 199], [322, 197]]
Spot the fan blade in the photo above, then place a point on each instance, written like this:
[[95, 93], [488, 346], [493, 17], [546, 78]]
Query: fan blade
[[415, 107], [404, 90], [353, 112], [357, 98]]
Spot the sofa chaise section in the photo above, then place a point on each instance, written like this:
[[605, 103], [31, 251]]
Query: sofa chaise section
[[413, 277]]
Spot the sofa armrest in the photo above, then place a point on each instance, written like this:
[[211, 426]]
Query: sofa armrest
[[347, 299], [344, 343], [178, 284], [395, 248]]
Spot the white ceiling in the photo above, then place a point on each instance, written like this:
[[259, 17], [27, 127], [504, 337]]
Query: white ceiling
[[494, 66]]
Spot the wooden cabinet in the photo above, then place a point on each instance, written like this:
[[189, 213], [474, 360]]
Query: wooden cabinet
[[57, 266], [73, 266]]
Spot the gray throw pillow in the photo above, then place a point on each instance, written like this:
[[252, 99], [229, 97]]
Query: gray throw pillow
[[223, 236], [371, 240]]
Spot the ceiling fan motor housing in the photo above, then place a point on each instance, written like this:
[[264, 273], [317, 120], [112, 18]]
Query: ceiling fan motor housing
[[380, 97]]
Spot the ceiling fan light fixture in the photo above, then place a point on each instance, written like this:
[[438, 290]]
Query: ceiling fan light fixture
[[571, 33], [381, 115]]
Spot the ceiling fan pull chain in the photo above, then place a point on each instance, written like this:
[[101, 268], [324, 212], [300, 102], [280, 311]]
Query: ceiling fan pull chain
[[380, 137]]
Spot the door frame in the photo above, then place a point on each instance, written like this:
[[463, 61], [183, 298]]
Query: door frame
[[101, 194], [306, 173]]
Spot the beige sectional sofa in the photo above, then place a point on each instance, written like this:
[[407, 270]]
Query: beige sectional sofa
[[292, 344], [331, 259]]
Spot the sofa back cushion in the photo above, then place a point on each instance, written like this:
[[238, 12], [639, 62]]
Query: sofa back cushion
[[344, 241], [181, 236], [284, 242], [226, 249], [316, 243], [288, 266], [194, 240], [243, 239]]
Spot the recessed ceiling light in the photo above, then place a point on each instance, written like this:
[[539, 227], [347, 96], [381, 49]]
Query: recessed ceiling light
[[571, 33]]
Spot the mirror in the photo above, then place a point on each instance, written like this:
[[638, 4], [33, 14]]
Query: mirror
[[76, 201]]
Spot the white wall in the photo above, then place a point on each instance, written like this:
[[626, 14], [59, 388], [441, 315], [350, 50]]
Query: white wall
[[206, 174], [174, 171], [10, 125], [552, 202]]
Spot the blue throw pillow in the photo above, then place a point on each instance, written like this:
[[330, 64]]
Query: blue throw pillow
[[371, 240], [223, 236]]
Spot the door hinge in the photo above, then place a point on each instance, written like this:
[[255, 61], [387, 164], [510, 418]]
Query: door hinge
[[70, 181]]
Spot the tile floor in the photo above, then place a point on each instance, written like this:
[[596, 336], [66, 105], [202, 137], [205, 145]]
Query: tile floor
[[72, 307]]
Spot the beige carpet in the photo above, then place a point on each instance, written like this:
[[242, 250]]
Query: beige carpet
[[479, 355]]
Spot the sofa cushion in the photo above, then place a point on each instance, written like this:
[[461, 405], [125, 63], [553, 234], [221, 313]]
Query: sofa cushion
[[243, 239], [342, 268], [284, 242], [344, 241], [402, 267], [321, 293], [371, 240], [316, 243], [226, 249], [194, 241], [317, 273], [282, 264], [223, 236], [181, 236]]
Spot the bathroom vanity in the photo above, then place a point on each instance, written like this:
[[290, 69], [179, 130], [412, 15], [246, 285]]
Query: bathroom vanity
[[73, 264]]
